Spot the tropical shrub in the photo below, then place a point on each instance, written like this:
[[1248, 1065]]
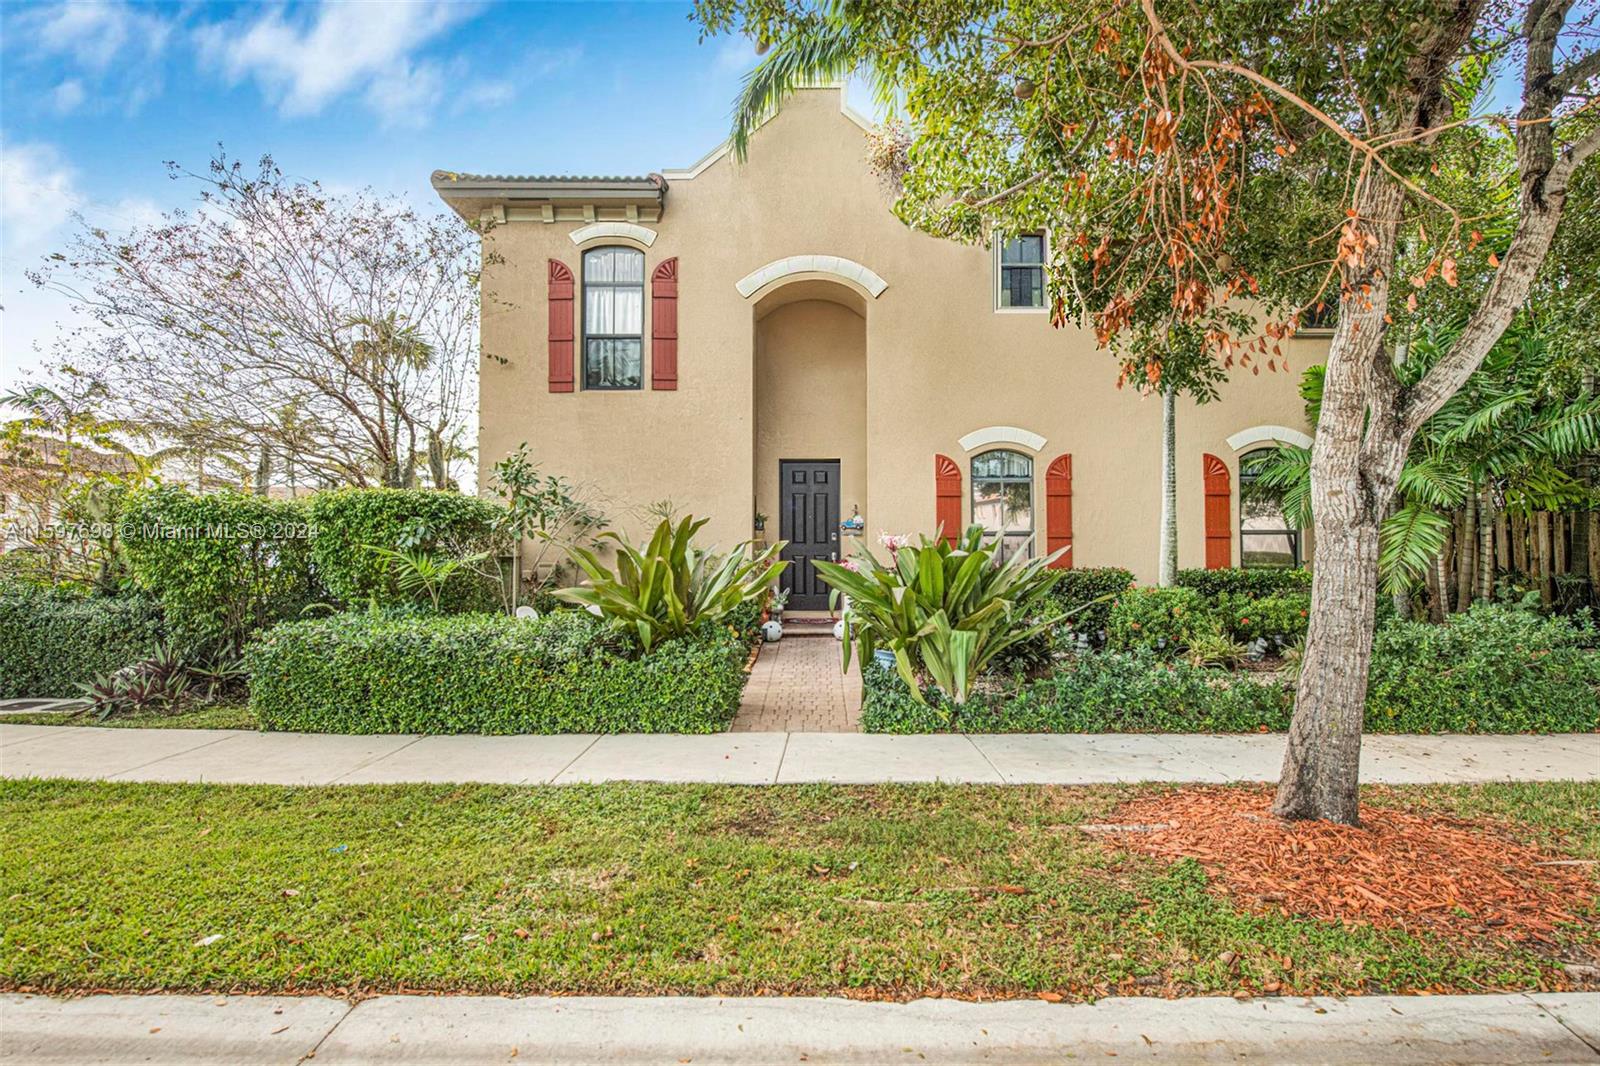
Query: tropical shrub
[[1492, 669], [1281, 617], [1250, 582], [1110, 692], [222, 565], [669, 587], [1161, 619], [945, 611], [404, 671], [354, 527], [53, 640], [1086, 595]]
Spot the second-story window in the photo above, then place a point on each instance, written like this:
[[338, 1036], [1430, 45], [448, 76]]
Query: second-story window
[[613, 318], [1022, 272]]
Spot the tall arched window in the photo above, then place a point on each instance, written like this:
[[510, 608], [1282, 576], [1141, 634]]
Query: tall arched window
[[613, 318], [1002, 499], [1266, 537]]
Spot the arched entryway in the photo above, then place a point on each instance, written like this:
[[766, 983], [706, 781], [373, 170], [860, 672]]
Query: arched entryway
[[810, 423]]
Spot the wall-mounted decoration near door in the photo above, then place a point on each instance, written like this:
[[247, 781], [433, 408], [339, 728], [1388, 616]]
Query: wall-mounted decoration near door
[[855, 525]]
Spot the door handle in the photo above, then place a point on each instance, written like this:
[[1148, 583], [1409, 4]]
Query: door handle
[[833, 557]]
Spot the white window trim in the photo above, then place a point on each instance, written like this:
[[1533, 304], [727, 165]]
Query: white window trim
[[990, 436], [608, 230], [1249, 438], [995, 243]]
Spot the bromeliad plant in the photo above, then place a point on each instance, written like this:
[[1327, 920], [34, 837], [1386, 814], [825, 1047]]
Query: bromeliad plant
[[664, 589], [944, 609]]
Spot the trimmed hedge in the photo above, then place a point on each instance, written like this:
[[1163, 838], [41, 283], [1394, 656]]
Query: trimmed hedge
[[1492, 669], [347, 521], [222, 565], [50, 641], [1074, 588], [488, 673], [1100, 693], [1252, 581], [1156, 618]]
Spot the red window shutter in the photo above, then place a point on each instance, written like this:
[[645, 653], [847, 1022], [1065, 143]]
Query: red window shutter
[[1058, 510], [1219, 520], [947, 497], [664, 325], [561, 294]]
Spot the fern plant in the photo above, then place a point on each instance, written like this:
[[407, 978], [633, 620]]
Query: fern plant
[[419, 572]]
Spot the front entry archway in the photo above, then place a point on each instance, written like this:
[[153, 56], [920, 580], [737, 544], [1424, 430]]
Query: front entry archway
[[810, 425]]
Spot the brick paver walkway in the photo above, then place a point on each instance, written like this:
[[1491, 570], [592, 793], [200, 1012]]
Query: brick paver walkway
[[796, 687]]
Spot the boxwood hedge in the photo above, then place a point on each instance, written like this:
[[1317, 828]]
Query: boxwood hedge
[[52, 640], [222, 565], [388, 672], [1490, 670], [347, 523], [1108, 692]]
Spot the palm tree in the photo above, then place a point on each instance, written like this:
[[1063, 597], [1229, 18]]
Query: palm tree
[[1498, 444]]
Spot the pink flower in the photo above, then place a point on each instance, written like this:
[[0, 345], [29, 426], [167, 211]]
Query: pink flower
[[852, 566]]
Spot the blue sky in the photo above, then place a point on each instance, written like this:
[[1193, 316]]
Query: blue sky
[[95, 96]]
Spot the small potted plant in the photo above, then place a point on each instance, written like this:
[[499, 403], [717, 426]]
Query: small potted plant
[[761, 522], [780, 599]]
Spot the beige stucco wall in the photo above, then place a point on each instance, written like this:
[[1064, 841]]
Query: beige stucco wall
[[938, 363]]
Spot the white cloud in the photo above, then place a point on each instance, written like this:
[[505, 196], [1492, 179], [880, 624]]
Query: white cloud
[[551, 62], [68, 96], [39, 194], [304, 63], [96, 32]]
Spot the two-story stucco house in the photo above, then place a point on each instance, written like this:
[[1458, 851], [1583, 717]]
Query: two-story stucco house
[[767, 337]]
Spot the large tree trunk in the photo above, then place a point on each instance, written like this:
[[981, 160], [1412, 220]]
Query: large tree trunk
[[1356, 459], [1167, 572]]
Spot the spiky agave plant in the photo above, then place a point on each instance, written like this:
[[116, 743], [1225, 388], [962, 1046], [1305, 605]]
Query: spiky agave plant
[[944, 609], [667, 587]]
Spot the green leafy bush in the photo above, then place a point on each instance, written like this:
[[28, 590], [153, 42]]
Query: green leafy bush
[[406, 672], [1090, 592], [669, 586], [1250, 581], [1109, 692], [350, 523], [53, 641], [1282, 616], [945, 610], [1163, 620], [222, 565], [1493, 669]]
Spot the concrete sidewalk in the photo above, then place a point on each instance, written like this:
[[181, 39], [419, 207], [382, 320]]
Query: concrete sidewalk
[[477, 1029], [757, 758]]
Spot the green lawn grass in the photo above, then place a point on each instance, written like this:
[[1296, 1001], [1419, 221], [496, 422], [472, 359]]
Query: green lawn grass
[[884, 890], [222, 715]]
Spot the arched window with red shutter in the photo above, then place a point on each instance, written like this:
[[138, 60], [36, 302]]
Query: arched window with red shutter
[[947, 497], [1219, 514], [561, 335], [664, 325], [1058, 510]]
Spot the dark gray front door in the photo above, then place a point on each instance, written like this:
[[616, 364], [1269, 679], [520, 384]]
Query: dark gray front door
[[808, 491]]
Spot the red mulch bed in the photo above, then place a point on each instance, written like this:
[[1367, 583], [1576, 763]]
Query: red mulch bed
[[1420, 872]]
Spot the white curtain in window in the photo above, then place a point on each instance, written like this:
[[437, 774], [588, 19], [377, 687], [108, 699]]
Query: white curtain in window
[[613, 311]]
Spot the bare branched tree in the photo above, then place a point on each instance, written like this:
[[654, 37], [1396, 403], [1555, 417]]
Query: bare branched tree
[[304, 337]]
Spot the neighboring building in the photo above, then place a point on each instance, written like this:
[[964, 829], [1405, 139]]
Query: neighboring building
[[768, 337]]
